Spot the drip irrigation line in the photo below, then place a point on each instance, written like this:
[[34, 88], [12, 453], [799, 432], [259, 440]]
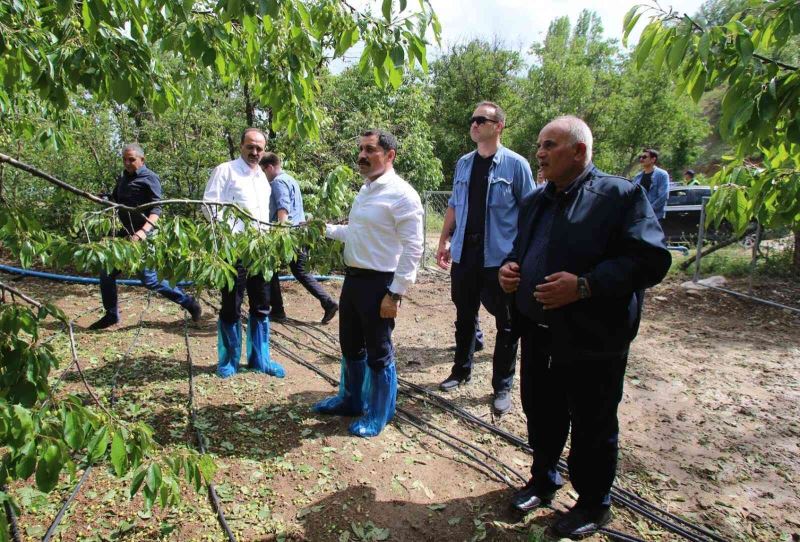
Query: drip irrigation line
[[301, 345], [13, 526], [113, 396], [624, 497], [212, 492], [64, 507], [317, 328]]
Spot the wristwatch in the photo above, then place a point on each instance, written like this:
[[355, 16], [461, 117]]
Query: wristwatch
[[583, 288], [393, 296]]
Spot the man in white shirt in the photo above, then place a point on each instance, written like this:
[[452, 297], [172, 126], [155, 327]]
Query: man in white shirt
[[242, 182], [382, 248]]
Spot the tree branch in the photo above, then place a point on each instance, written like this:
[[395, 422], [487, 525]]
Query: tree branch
[[14, 292]]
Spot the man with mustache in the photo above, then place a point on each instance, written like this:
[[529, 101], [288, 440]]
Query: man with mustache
[[588, 245], [242, 182], [138, 185], [382, 248], [480, 224]]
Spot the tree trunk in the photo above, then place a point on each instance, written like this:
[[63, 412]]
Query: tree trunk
[[249, 106], [796, 258]]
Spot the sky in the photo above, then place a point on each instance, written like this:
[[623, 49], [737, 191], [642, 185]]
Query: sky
[[519, 23]]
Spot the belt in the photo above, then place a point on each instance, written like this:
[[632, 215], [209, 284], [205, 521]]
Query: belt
[[360, 272]]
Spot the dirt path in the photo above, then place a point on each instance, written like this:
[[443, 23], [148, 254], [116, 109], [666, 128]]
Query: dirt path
[[709, 429]]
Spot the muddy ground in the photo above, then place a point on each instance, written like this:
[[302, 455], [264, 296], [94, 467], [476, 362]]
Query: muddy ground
[[710, 428]]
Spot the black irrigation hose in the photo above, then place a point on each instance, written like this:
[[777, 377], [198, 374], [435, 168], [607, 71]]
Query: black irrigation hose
[[13, 527], [212, 492], [64, 507], [113, 396], [112, 399], [622, 496], [302, 327]]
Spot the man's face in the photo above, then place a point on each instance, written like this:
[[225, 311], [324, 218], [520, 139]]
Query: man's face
[[253, 147], [560, 160], [645, 160], [485, 126], [131, 161], [373, 160]]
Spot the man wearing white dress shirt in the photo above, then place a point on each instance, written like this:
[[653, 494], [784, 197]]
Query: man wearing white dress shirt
[[242, 182], [382, 248]]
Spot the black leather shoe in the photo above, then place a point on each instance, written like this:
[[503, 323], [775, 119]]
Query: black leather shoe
[[502, 402], [330, 312], [527, 499], [195, 310], [107, 320], [580, 522], [452, 382]]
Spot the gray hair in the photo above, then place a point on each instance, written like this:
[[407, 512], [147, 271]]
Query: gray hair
[[135, 147], [578, 131]]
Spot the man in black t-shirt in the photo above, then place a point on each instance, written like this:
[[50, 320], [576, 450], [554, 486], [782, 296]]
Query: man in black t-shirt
[[137, 185]]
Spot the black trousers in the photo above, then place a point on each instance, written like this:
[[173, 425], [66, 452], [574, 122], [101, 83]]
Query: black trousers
[[582, 394], [472, 284], [362, 331], [298, 268], [257, 294]]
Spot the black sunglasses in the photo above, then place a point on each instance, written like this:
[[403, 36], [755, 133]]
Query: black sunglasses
[[480, 120]]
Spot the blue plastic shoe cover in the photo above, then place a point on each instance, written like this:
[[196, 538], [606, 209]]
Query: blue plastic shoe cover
[[258, 357], [229, 348], [351, 401], [380, 402]]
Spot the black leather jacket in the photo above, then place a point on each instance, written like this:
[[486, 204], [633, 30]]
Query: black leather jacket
[[604, 229]]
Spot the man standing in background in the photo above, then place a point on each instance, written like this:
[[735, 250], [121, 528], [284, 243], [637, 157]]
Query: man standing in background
[[286, 206], [480, 225], [655, 182]]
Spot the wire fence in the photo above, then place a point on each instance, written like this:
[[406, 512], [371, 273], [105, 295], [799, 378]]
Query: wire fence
[[434, 203], [759, 242]]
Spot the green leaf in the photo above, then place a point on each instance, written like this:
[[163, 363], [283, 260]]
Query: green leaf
[[27, 463], [745, 47], [119, 456], [98, 444], [48, 469], [386, 8], [153, 479], [207, 468], [137, 481], [704, 46], [678, 50], [645, 44], [73, 432]]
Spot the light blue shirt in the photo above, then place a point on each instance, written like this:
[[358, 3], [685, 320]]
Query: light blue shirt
[[510, 180], [659, 191], [286, 195]]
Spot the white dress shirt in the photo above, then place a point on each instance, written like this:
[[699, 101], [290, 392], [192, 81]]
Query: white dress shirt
[[384, 231], [235, 182]]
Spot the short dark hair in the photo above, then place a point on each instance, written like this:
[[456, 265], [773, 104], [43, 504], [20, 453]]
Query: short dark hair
[[270, 159], [652, 152], [386, 140], [689, 172], [499, 114], [248, 130]]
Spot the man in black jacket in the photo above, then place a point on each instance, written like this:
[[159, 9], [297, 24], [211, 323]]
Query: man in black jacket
[[587, 246], [138, 185]]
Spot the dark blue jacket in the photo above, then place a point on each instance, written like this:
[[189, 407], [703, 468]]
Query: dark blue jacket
[[133, 190], [605, 230]]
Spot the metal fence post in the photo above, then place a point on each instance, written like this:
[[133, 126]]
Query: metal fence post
[[701, 231]]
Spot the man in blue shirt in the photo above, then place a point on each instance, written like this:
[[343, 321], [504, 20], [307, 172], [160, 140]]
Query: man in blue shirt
[[137, 185], [655, 182], [286, 205], [480, 224]]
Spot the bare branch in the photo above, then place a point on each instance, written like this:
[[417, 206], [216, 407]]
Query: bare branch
[[19, 294]]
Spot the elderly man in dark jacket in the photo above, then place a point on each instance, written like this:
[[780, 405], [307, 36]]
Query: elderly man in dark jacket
[[587, 246]]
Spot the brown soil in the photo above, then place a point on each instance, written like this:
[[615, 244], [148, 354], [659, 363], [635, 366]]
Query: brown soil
[[709, 428]]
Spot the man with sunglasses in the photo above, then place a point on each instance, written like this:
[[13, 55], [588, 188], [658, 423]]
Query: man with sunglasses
[[480, 226], [655, 182], [242, 182]]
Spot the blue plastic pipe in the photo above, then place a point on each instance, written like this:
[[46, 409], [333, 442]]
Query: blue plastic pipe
[[127, 282]]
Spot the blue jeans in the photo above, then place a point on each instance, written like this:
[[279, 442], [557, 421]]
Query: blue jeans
[[149, 278]]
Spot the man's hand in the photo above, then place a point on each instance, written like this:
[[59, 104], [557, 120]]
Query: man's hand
[[137, 236], [389, 307], [560, 289], [509, 277], [443, 255]]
